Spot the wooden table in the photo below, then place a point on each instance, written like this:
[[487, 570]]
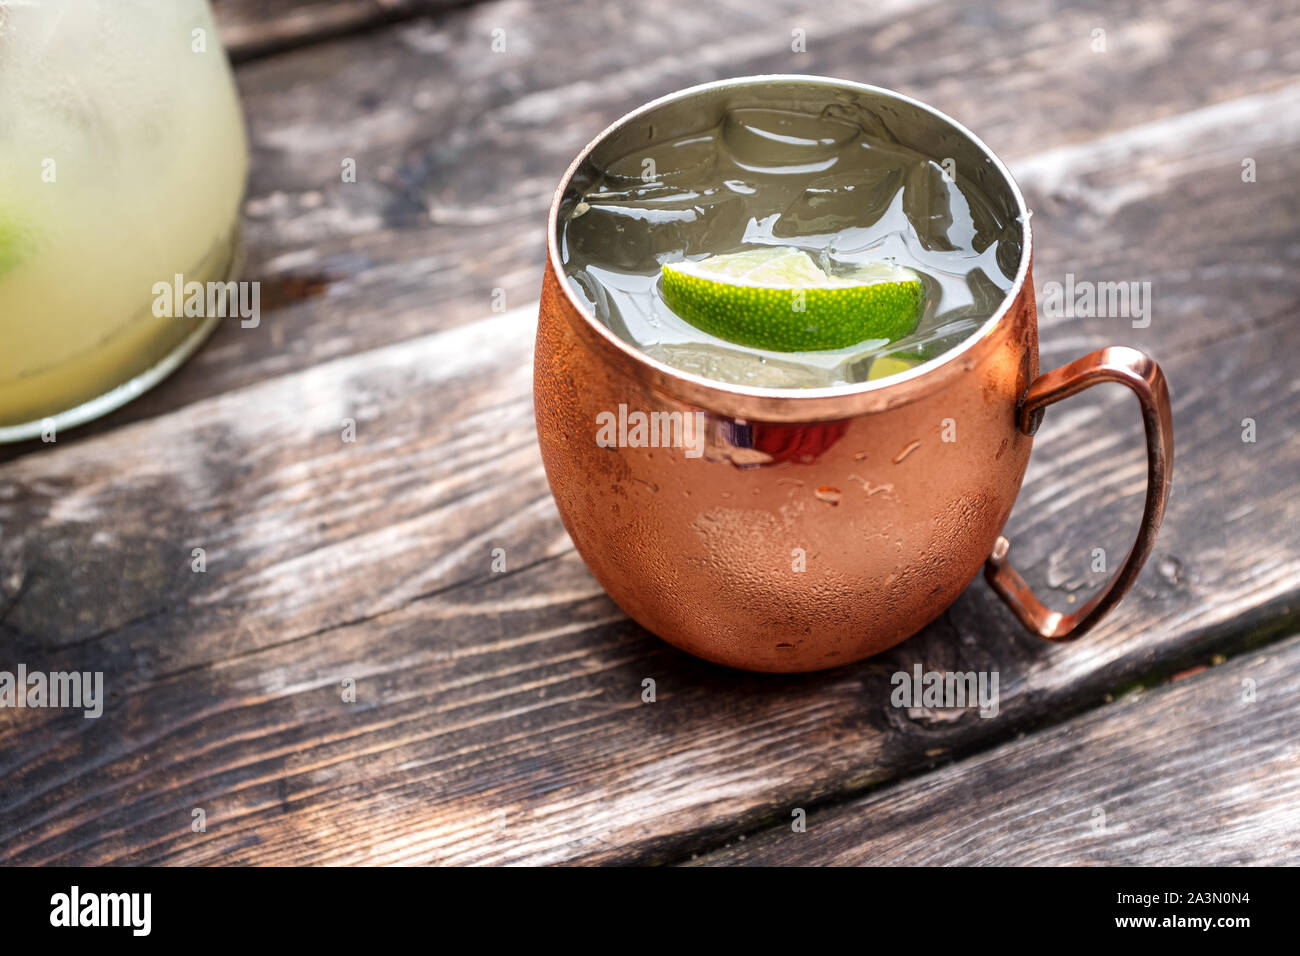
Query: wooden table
[[498, 716]]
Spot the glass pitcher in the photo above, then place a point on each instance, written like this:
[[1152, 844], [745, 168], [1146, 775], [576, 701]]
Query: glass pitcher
[[123, 161]]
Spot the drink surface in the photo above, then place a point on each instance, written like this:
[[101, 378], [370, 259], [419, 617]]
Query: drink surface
[[122, 163], [847, 195]]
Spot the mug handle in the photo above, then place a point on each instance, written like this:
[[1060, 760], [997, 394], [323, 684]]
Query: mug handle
[[1141, 374]]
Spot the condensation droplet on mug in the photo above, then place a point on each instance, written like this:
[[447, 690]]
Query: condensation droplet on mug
[[907, 451], [828, 494]]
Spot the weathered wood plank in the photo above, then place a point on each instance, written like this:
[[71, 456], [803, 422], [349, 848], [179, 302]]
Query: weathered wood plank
[[251, 28], [458, 149], [490, 700], [512, 701], [1094, 790], [446, 420]]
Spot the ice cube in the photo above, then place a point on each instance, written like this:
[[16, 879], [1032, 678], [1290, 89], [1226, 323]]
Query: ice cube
[[783, 142], [925, 201], [636, 228], [739, 368], [840, 200], [690, 160]]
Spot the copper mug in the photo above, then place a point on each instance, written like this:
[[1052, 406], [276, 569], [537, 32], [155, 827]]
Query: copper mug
[[853, 483]]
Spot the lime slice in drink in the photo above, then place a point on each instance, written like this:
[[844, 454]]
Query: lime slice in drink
[[886, 365], [13, 244], [777, 298]]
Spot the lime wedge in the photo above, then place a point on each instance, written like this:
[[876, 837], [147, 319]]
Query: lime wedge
[[885, 365], [777, 298], [13, 245]]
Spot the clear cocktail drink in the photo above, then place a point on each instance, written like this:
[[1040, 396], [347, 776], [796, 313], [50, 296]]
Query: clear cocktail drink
[[836, 185]]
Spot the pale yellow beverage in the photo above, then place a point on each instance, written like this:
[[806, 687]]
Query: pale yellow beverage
[[122, 165]]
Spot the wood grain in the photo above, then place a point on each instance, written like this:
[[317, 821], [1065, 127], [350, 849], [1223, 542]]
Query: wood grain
[[490, 700], [499, 715], [1204, 771], [252, 28], [458, 149]]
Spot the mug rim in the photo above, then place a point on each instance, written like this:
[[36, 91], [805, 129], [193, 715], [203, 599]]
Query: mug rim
[[795, 403]]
